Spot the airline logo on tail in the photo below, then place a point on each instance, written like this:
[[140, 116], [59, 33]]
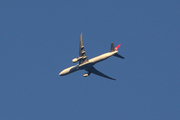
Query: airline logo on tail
[[117, 47]]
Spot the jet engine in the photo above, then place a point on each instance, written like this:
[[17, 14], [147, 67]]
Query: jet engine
[[86, 74], [74, 60]]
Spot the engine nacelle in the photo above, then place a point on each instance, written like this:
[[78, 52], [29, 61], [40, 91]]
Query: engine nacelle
[[86, 74], [75, 60]]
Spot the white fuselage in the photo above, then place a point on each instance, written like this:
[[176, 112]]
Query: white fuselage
[[87, 64]]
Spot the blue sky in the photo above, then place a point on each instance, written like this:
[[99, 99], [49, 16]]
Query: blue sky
[[40, 38]]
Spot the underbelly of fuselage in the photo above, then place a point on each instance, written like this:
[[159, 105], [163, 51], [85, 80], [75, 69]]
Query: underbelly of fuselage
[[85, 65], [90, 63]]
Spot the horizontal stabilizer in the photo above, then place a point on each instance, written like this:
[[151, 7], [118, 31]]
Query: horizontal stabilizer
[[119, 56], [112, 47]]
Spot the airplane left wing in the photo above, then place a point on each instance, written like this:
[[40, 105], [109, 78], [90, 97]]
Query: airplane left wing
[[82, 54], [96, 72]]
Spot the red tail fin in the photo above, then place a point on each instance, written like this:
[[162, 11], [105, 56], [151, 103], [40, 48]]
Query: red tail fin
[[117, 47]]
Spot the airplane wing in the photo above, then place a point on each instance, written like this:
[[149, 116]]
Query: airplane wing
[[96, 72], [82, 54]]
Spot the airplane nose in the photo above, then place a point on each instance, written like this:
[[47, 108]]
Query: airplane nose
[[64, 72], [60, 74]]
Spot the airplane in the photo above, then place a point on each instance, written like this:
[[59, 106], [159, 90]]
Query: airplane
[[87, 65]]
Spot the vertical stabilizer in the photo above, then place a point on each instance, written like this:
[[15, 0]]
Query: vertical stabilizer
[[117, 47]]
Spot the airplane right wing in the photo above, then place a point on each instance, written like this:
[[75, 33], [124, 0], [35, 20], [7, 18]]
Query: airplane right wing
[[96, 72], [82, 54]]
